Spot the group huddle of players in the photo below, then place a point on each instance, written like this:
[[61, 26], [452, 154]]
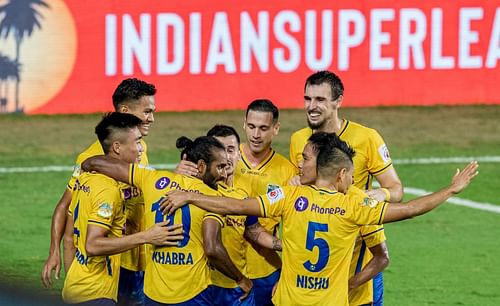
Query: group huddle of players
[[235, 223]]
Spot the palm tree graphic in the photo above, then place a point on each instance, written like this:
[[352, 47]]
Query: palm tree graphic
[[9, 69], [20, 17]]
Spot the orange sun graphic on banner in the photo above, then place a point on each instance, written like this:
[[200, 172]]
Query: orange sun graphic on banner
[[46, 57]]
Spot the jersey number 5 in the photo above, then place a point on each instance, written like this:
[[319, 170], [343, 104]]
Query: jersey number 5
[[186, 219], [311, 242]]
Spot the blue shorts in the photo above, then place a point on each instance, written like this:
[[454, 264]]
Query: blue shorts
[[263, 288], [131, 288], [204, 298], [97, 302], [378, 290], [231, 296]]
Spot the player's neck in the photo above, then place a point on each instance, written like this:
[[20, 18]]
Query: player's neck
[[255, 158], [325, 183]]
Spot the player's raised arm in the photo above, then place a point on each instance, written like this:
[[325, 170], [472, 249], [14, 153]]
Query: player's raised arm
[[422, 205], [221, 205], [108, 166]]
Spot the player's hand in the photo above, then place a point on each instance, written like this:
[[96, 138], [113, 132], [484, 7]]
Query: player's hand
[[162, 235], [462, 179], [174, 199], [294, 181], [378, 194], [186, 167], [246, 285], [53, 263]]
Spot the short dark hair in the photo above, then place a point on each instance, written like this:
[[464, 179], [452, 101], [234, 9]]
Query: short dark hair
[[201, 148], [221, 130], [332, 153], [110, 124], [328, 77], [264, 105], [131, 90]]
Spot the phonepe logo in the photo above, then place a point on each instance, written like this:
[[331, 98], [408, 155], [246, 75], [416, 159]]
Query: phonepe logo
[[162, 183], [301, 204]]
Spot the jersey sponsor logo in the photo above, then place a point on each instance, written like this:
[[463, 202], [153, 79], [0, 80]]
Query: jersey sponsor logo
[[275, 195], [301, 204], [384, 153], [162, 183], [370, 202], [328, 210], [131, 192], [311, 282], [105, 210]]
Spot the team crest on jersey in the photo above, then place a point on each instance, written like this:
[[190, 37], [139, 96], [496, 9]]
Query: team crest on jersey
[[370, 202], [162, 183], [301, 204], [275, 195], [384, 153], [105, 210], [76, 171], [271, 187]]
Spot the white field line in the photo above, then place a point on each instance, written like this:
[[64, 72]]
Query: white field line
[[458, 201], [407, 161]]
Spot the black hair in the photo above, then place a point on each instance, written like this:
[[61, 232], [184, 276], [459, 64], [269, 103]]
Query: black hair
[[221, 130], [332, 153], [131, 90], [110, 124], [328, 77], [264, 105], [201, 148]]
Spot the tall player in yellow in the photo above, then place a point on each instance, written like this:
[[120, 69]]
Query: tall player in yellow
[[261, 170], [135, 97], [323, 96], [96, 219], [180, 275], [321, 221]]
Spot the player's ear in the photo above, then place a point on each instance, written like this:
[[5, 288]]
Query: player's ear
[[276, 128], [339, 101], [202, 167], [124, 108], [115, 147]]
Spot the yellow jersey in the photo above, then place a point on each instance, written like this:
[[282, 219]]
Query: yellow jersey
[[372, 158], [96, 201], [232, 239], [134, 206], [174, 274], [317, 254], [275, 170]]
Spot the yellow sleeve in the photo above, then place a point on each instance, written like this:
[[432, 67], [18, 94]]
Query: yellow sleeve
[[365, 210], [372, 235], [379, 159], [105, 206], [295, 152], [139, 174], [272, 204]]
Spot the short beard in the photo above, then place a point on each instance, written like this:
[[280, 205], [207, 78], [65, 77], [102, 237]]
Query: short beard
[[315, 126]]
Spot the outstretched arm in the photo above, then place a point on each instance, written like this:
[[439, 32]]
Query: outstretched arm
[[221, 205], [98, 243], [108, 166], [422, 205]]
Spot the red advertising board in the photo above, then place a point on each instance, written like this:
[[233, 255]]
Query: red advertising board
[[213, 55]]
